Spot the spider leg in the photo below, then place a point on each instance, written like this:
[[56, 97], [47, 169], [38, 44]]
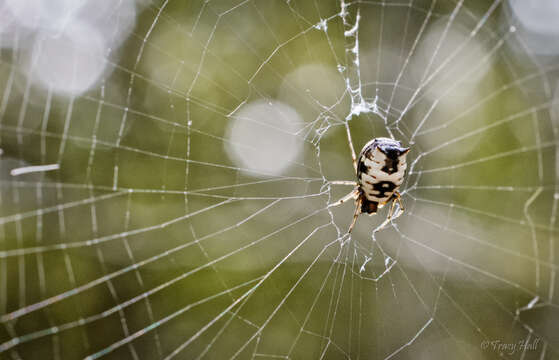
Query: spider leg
[[344, 182], [353, 157], [395, 198], [356, 213], [391, 212], [351, 195]]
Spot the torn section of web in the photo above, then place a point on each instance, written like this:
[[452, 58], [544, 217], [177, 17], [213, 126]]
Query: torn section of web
[[352, 69]]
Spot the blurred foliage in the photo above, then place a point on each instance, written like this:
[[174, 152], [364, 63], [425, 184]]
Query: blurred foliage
[[149, 204]]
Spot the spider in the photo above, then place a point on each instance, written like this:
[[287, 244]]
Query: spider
[[380, 171]]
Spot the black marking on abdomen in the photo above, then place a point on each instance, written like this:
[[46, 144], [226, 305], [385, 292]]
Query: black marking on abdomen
[[390, 165], [362, 168], [384, 188]]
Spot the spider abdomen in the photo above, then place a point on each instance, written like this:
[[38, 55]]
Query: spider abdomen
[[380, 172]]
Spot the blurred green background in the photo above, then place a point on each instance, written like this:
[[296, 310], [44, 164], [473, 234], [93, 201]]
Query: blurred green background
[[196, 142]]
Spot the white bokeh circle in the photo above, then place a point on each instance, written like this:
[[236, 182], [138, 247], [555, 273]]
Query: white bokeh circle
[[71, 62], [262, 137]]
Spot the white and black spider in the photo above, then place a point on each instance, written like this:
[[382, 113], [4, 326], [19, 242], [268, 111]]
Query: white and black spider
[[380, 171]]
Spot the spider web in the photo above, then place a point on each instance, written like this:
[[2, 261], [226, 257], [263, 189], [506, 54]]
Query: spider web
[[174, 204]]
